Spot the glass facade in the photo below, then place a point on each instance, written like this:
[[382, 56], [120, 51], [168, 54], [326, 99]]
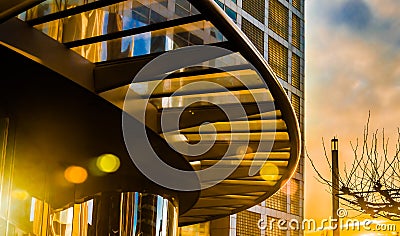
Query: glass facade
[[138, 28], [129, 28], [197, 33]]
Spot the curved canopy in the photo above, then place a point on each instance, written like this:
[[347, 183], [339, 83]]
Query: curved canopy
[[261, 144]]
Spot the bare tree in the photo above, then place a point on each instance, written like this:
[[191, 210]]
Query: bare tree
[[372, 184]]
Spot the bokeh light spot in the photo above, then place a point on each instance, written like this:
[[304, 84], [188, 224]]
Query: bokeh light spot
[[75, 174], [270, 173], [108, 163]]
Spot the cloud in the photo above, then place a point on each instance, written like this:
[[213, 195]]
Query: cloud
[[356, 14], [352, 67]]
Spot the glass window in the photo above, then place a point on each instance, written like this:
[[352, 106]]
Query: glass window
[[220, 4], [184, 8], [52, 6], [231, 13], [117, 17], [151, 42]]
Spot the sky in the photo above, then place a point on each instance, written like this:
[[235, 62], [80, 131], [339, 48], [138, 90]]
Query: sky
[[352, 68]]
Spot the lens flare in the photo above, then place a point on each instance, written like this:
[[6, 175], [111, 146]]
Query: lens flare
[[108, 163], [19, 194], [270, 173], [75, 174]]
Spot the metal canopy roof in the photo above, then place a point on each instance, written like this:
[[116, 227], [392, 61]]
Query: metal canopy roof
[[113, 34]]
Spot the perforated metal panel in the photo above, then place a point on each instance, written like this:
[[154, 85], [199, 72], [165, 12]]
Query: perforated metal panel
[[255, 34], [296, 31], [245, 222], [272, 228], [296, 105], [278, 18], [255, 8], [278, 58], [296, 71], [278, 201], [297, 4], [295, 193]]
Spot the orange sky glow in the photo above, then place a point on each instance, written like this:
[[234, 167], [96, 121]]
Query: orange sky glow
[[352, 68]]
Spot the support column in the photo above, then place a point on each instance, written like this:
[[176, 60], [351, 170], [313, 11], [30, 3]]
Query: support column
[[116, 213], [335, 186]]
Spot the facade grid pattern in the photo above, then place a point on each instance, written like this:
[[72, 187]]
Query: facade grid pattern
[[255, 34], [296, 105], [278, 201], [276, 28], [294, 233], [296, 31], [278, 58], [297, 4], [246, 220], [255, 8], [295, 197], [295, 71], [278, 18], [272, 228]]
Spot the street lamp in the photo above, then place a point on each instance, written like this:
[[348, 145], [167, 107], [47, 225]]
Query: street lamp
[[335, 185]]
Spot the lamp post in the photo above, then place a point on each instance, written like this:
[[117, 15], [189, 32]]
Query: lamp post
[[335, 185]]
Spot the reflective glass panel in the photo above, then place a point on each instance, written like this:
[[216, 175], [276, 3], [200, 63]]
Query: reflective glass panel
[[49, 7], [150, 42], [110, 19]]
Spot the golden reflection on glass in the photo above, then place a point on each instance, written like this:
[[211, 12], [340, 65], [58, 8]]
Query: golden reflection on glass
[[149, 42], [52, 6], [147, 214], [133, 13], [39, 215], [61, 222], [73, 221], [117, 17]]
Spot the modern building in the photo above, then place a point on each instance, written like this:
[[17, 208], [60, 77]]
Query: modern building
[[91, 89], [276, 28]]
